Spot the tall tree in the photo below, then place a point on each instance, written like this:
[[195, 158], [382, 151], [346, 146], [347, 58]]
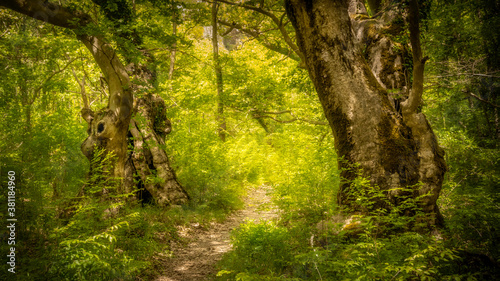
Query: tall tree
[[171, 67], [111, 127], [218, 73], [388, 141]]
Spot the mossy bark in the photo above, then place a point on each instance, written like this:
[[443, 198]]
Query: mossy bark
[[392, 149], [149, 161], [140, 159], [137, 142]]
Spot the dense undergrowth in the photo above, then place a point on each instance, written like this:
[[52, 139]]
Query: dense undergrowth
[[60, 237], [110, 239], [313, 240]]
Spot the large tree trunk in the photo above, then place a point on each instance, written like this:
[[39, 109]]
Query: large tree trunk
[[108, 127], [393, 148], [144, 121]]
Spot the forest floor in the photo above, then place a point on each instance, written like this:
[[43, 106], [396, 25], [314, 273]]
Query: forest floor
[[197, 260]]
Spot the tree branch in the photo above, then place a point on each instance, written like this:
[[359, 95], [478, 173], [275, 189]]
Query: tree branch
[[254, 33], [182, 52], [121, 98], [225, 33], [48, 12], [466, 74], [417, 89], [171, 67], [257, 35], [120, 94], [480, 99], [275, 19], [271, 112], [39, 88], [291, 120], [5, 32], [277, 120], [86, 112]]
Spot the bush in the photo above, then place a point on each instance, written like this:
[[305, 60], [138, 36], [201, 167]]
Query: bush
[[261, 249]]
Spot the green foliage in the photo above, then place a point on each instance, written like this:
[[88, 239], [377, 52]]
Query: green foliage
[[102, 237], [40, 133], [384, 243], [407, 256], [261, 249], [461, 107], [87, 245], [100, 178], [202, 165], [469, 203], [93, 258], [462, 81], [307, 188], [381, 244]]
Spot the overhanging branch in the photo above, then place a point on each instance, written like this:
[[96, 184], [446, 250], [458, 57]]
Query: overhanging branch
[[413, 102], [121, 98], [275, 19], [48, 12], [467, 74], [257, 35], [481, 99]]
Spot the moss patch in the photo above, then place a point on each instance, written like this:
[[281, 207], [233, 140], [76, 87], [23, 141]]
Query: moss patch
[[399, 153]]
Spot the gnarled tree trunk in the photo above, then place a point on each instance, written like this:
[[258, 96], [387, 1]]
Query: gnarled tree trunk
[[394, 147], [149, 160], [110, 128]]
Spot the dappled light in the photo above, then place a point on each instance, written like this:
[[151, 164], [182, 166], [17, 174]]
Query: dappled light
[[250, 140]]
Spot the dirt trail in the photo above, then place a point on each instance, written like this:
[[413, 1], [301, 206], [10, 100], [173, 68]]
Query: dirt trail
[[197, 260]]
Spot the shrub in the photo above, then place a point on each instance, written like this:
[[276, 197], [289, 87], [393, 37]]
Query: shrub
[[262, 249]]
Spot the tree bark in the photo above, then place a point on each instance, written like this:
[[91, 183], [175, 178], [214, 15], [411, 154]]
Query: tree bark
[[109, 127], [393, 150], [149, 159]]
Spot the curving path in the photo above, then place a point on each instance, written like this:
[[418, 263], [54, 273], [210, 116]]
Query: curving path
[[197, 260]]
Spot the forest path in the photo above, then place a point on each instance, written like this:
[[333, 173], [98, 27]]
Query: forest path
[[197, 260]]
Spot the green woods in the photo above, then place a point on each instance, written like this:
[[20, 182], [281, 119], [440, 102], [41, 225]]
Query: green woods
[[131, 128]]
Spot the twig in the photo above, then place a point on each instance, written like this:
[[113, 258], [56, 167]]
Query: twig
[[481, 99], [466, 74]]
